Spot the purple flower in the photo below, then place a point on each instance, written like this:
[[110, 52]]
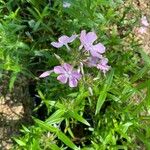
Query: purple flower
[[99, 63], [103, 66], [92, 61], [64, 40], [66, 73], [87, 41], [144, 21]]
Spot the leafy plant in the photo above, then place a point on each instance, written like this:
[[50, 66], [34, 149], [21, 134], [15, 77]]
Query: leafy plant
[[107, 109]]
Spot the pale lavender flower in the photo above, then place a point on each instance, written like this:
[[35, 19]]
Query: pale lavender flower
[[67, 73], [46, 73], [87, 41], [92, 61], [64, 40], [103, 66], [142, 30], [66, 4], [144, 21], [99, 63]]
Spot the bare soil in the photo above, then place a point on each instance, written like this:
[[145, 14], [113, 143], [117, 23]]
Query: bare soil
[[10, 120]]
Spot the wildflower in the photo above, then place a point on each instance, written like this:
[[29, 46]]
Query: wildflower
[[99, 63], [103, 65], [66, 73], [92, 61], [45, 74], [64, 40], [66, 4], [142, 30], [144, 21], [87, 41]]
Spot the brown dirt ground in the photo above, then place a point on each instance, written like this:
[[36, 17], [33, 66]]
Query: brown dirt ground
[[10, 119], [11, 114]]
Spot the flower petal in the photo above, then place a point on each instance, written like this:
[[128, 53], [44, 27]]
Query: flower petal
[[67, 67], [59, 70], [100, 48], [45, 74], [76, 75], [72, 38], [73, 82], [62, 78], [104, 61], [91, 37], [57, 44], [92, 61], [103, 66], [82, 36], [142, 30], [95, 53], [63, 39], [144, 21]]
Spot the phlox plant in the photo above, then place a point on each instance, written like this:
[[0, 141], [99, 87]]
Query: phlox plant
[[93, 59], [89, 72]]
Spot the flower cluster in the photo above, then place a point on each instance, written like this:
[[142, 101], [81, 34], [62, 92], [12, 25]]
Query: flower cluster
[[145, 24], [66, 72], [96, 59]]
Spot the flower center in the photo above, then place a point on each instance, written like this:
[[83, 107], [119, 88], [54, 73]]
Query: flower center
[[88, 47], [68, 74]]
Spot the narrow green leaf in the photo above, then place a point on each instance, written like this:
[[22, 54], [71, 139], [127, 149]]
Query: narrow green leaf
[[143, 139], [101, 99], [33, 13], [45, 125], [66, 140], [145, 57], [140, 74], [103, 93], [147, 99], [109, 80], [60, 135], [79, 118], [142, 85], [12, 80], [54, 147], [80, 98], [21, 143], [25, 129], [41, 95], [56, 116], [35, 145]]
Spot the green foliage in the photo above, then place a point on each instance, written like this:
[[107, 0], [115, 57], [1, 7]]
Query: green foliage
[[103, 112]]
